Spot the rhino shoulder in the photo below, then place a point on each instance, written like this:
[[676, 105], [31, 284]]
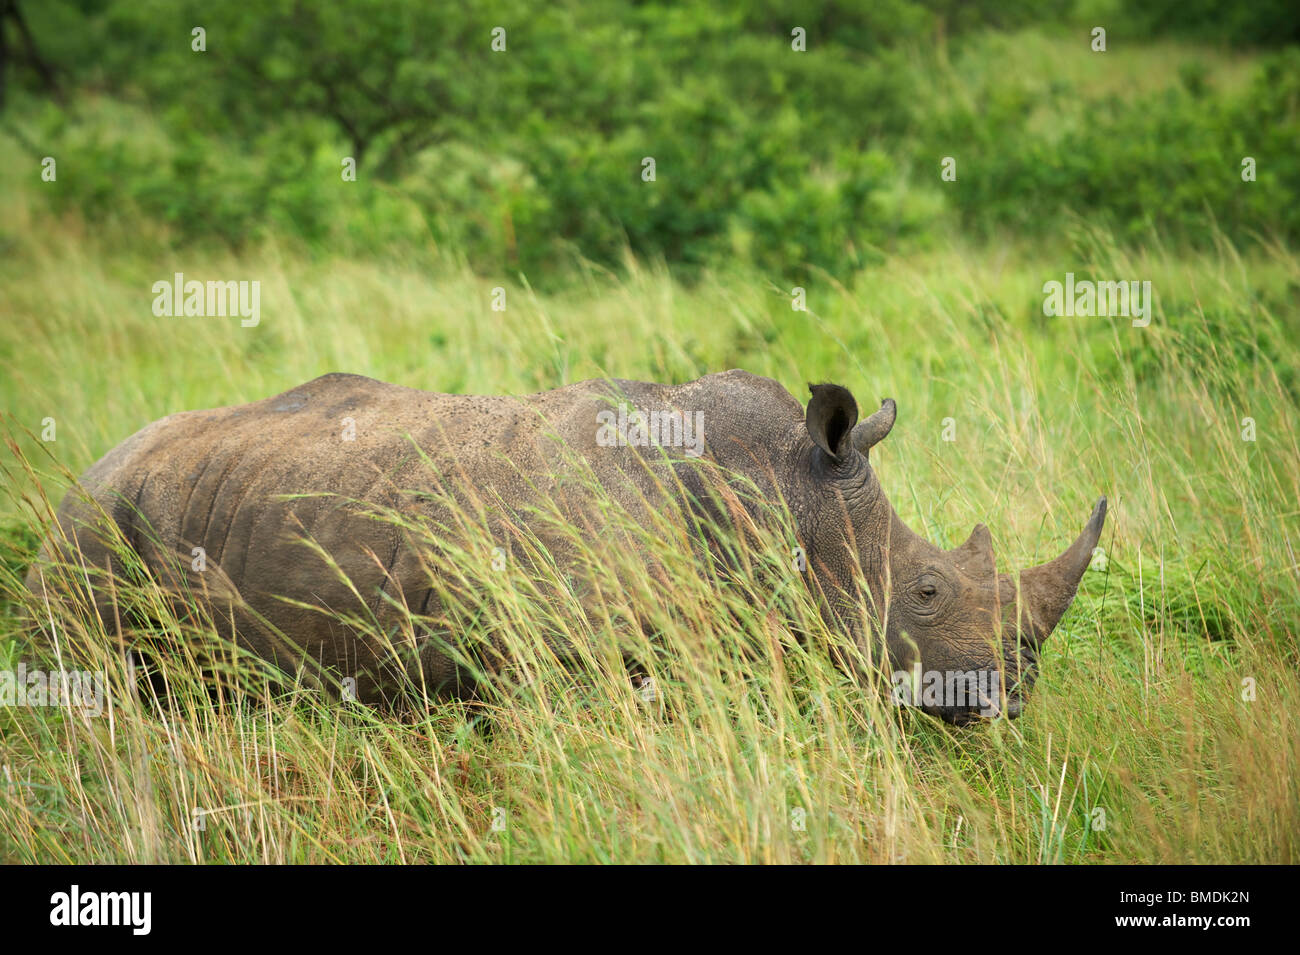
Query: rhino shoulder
[[744, 386], [333, 387]]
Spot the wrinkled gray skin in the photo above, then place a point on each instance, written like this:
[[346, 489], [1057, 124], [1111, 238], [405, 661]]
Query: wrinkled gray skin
[[214, 479]]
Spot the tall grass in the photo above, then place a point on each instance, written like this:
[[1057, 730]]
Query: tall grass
[[1141, 743]]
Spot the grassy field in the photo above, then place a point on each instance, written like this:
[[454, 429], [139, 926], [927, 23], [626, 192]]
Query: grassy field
[[1164, 726]]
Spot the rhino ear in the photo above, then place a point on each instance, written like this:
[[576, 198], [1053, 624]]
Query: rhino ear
[[830, 418], [872, 431]]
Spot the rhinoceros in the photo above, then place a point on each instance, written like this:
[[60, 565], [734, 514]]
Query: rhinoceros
[[245, 485]]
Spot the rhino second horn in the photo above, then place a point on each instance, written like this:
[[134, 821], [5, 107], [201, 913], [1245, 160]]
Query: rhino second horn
[[1047, 590], [872, 431], [975, 557]]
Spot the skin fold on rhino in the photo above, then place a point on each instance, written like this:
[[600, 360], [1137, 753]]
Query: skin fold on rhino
[[248, 484]]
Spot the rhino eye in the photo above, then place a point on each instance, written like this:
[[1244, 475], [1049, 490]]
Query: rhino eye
[[927, 588]]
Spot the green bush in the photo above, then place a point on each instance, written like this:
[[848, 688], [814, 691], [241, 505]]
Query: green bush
[[525, 159], [1171, 162]]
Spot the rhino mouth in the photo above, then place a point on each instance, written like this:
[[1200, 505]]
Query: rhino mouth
[[985, 708], [970, 715], [964, 697]]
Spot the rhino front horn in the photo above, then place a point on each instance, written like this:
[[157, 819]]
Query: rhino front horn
[[1047, 590]]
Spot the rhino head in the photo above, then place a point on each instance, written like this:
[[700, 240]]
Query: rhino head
[[960, 639]]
